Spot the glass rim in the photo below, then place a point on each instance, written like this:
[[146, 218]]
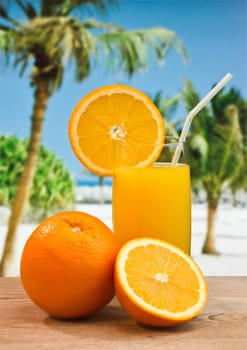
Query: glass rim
[[168, 151], [175, 141]]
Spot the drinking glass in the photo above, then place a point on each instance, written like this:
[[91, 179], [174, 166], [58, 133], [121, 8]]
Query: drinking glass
[[154, 201]]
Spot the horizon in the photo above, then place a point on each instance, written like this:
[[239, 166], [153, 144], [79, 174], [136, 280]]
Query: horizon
[[213, 32]]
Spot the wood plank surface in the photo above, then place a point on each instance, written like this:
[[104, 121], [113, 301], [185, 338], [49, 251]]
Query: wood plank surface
[[221, 325]]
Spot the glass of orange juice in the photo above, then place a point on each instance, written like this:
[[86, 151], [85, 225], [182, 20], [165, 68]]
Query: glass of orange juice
[[154, 201]]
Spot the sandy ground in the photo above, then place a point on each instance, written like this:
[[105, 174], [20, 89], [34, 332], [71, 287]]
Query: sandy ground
[[231, 238]]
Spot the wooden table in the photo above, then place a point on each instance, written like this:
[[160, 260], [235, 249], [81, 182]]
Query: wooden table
[[221, 325]]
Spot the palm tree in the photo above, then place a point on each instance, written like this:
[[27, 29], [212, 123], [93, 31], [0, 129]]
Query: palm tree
[[217, 151], [44, 44], [167, 107], [240, 182], [222, 101]]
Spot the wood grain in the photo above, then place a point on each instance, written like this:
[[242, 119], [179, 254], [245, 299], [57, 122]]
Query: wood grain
[[221, 325]]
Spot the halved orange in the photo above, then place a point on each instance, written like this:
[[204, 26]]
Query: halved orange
[[116, 124], [158, 284]]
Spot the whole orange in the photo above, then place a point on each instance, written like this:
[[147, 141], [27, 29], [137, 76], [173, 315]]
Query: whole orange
[[67, 265]]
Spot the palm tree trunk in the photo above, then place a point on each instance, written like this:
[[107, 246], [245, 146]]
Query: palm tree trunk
[[101, 190], [234, 198], [41, 96], [209, 243]]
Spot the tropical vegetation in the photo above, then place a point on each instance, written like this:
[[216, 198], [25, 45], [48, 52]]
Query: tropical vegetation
[[167, 107], [53, 186], [52, 36], [218, 150]]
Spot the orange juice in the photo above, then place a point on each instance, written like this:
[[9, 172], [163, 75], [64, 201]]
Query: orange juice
[[153, 202]]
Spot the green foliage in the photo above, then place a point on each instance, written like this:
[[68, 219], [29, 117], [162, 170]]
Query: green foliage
[[240, 182], [12, 156], [53, 188], [199, 135], [198, 149], [52, 37], [128, 50], [225, 157], [216, 143], [167, 107]]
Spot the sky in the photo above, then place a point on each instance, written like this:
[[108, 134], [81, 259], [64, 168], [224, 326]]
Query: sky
[[214, 33]]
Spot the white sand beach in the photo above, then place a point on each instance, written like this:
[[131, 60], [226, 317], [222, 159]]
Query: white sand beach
[[231, 238]]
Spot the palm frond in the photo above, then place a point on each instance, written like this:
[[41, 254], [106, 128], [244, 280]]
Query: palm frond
[[243, 122], [226, 153], [204, 120], [65, 7], [124, 51], [170, 104], [157, 98], [51, 42], [222, 100], [167, 107], [129, 49], [199, 148], [6, 42], [86, 46], [27, 8], [93, 24], [4, 15], [240, 180], [170, 128], [22, 61], [4, 27]]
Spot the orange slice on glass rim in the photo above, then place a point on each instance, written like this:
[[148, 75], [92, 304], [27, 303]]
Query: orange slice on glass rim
[[158, 284], [116, 124]]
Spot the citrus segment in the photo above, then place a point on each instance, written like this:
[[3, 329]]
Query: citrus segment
[[116, 122], [158, 284]]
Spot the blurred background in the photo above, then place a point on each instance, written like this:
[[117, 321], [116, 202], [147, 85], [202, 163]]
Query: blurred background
[[54, 52]]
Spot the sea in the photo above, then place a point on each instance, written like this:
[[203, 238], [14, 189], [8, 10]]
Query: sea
[[93, 181], [90, 189]]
